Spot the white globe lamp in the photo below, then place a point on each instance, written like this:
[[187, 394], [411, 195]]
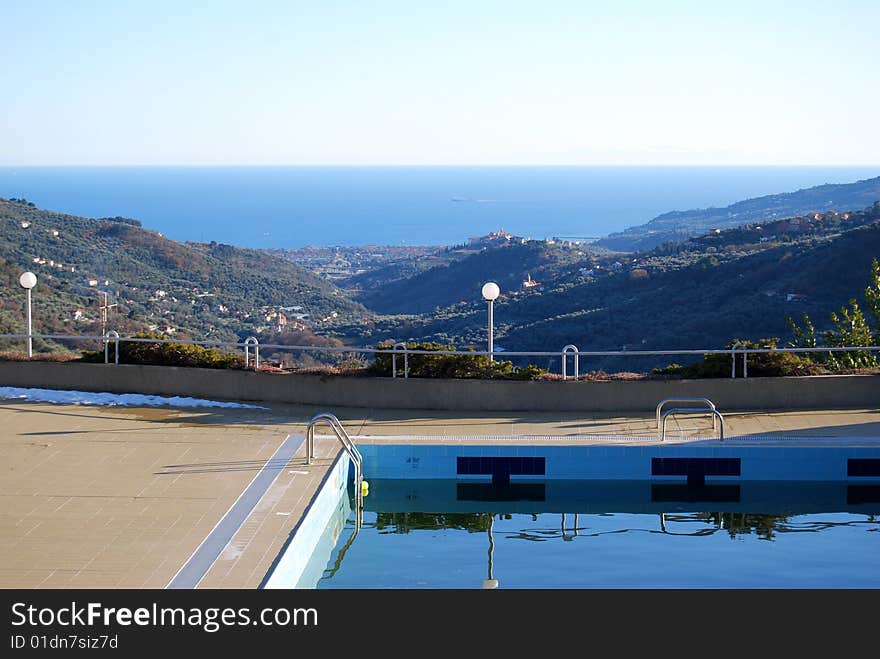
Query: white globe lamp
[[28, 280], [490, 294]]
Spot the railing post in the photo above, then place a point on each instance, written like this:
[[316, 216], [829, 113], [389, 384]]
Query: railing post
[[112, 334], [565, 352], [399, 344], [252, 341], [734, 347]]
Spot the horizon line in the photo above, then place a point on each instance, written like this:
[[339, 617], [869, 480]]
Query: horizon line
[[433, 165]]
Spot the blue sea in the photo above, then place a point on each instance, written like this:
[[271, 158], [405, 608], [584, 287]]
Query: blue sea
[[298, 206]]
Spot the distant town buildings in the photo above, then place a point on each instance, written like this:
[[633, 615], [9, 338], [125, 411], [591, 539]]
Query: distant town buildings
[[529, 283], [277, 319], [500, 236]]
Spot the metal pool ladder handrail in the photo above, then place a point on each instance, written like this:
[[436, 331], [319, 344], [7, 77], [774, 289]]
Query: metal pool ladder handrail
[[353, 453], [341, 435], [676, 410], [708, 403]]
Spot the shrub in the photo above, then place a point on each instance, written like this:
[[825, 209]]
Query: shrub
[[166, 354], [462, 365], [760, 364], [672, 369]]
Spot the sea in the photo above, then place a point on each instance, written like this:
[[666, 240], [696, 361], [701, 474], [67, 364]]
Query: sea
[[296, 206]]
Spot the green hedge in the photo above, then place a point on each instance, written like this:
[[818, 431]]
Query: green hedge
[[760, 364], [166, 354], [462, 365]]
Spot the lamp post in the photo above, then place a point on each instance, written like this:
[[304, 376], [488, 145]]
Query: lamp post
[[28, 280], [490, 294]]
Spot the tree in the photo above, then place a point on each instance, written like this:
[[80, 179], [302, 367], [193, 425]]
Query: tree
[[851, 330], [803, 337], [872, 299]]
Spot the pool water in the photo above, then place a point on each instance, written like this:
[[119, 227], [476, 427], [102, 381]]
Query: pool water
[[448, 534]]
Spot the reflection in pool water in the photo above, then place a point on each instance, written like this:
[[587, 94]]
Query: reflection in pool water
[[437, 534]]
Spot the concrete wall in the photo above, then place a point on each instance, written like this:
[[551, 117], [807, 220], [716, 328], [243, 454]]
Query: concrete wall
[[820, 392]]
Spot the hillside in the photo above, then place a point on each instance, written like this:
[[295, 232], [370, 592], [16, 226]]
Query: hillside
[[680, 225], [186, 289], [416, 287], [342, 263], [740, 283]]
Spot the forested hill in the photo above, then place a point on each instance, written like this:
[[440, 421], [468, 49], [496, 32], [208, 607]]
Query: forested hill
[[679, 225], [739, 283], [194, 289], [458, 279]]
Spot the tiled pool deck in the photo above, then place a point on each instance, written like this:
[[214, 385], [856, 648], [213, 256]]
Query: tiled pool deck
[[122, 497]]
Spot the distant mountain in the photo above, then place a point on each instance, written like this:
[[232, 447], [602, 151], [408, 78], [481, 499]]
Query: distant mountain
[[701, 293], [194, 289], [680, 225]]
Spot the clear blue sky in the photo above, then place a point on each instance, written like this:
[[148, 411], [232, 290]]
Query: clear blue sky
[[496, 82]]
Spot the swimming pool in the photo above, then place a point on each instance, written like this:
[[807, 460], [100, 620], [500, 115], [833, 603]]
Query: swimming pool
[[695, 516], [599, 534]]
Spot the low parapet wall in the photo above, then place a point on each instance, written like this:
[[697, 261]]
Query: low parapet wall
[[816, 392]]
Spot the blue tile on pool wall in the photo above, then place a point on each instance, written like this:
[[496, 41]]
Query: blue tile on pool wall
[[610, 461]]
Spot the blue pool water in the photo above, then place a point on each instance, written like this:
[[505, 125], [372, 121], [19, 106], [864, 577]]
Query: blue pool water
[[439, 534]]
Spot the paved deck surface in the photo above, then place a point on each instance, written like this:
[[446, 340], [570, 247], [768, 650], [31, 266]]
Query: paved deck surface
[[121, 497]]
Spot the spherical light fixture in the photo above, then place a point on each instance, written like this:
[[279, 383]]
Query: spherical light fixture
[[28, 280], [491, 291]]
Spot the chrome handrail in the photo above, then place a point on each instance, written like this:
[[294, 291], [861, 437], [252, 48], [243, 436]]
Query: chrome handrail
[[112, 334], [507, 353], [252, 341], [356, 458], [394, 360], [693, 410], [565, 352], [745, 354], [663, 402]]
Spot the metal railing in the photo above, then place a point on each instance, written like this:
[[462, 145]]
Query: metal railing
[[114, 336], [252, 341], [570, 348], [692, 410], [356, 458], [246, 345], [394, 348], [709, 404], [739, 345]]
